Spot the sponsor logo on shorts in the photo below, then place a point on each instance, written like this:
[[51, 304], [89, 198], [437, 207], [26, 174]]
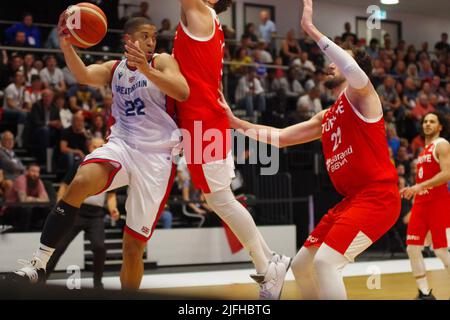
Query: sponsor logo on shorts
[[145, 230], [412, 237], [312, 239]]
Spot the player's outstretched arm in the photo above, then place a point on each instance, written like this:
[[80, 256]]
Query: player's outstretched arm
[[361, 92], [166, 74], [297, 134], [443, 154], [96, 75]]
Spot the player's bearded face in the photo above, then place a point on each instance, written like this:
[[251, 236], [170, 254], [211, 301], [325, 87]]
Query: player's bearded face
[[431, 125], [146, 36], [334, 77]]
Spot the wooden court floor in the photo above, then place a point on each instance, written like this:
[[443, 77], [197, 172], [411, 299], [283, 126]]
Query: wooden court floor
[[399, 286]]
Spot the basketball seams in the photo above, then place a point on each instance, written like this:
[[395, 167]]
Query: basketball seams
[[94, 12]]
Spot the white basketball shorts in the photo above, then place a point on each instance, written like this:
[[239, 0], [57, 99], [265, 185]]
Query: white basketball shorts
[[149, 176]]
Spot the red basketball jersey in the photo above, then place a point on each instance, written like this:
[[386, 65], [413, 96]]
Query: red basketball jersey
[[427, 167], [355, 149], [201, 61]]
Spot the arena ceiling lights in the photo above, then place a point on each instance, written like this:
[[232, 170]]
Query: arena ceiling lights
[[389, 2]]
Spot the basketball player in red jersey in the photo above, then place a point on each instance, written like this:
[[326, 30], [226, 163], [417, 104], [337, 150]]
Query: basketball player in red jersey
[[199, 49], [430, 211], [357, 159]]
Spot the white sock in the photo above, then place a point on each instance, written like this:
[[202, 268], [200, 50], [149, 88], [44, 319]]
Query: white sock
[[43, 253], [302, 267], [328, 264], [422, 284], [241, 223], [418, 267]]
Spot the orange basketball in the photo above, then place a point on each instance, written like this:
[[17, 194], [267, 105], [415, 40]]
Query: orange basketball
[[86, 24]]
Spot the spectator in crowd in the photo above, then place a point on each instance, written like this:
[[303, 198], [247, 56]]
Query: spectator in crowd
[[291, 88], [45, 124], [250, 92], [34, 93], [290, 49], [16, 64], [20, 40], [390, 53], [310, 102], [443, 71], [82, 97], [422, 107], [90, 220], [388, 66], [38, 65], [426, 72], [238, 64], [409, 93], [98, 127], [393, 139], [423, 54], [403, 158], [52, 39], [73, 144], [27, 188], [388, 95], [267, 29], [32, 33], [413, 72], [166, 218], [51, 75], [165, 33], [304, 64], [69, 78], [265, 55], [65, 114], [5, 186], [348, 35], [443, 45], [14, 107], [10, 163], [261, 69], [195, 200], [250, 33], [143, 11], [372, 50], [399, 71], [28, 69]]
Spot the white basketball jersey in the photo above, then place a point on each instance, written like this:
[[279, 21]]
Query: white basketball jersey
[[140, 112]]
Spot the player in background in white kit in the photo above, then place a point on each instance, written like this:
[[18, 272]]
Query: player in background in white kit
[[138, 153]]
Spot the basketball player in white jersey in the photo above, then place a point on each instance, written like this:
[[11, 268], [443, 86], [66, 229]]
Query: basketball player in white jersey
[[138, 153], [430, 211]]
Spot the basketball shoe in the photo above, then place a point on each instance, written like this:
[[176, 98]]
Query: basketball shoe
[[32, 272], [271, 283]]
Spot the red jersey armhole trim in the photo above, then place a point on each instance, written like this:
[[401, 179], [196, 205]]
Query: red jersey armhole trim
[[114, 70]]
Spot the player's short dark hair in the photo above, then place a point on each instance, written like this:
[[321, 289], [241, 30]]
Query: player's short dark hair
[[133, 24], [442, 121], [222, 5], [364, 60]]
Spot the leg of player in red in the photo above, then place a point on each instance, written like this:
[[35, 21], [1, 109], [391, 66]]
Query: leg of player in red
[[199, 49], [357, 158], [430, 212]]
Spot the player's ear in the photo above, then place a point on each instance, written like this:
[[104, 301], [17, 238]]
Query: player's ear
[[126, 37]]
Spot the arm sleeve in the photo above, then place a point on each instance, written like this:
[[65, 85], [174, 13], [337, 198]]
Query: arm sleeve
[[352, 72]]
